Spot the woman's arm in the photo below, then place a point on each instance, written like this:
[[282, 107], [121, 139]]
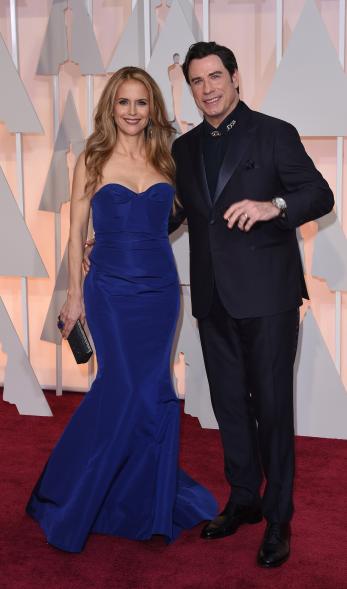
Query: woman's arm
[[73, 308], [177, 216]]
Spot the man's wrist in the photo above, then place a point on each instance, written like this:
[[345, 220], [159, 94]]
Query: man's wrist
[[280, 204]]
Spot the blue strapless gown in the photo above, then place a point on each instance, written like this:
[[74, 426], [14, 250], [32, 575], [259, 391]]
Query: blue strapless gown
[[115, 468]]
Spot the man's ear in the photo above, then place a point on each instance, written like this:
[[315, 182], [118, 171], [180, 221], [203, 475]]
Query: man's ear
[[235, 79]]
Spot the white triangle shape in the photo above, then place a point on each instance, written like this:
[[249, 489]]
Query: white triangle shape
[[16, 109], [50, 332], [320, 397], [21, 386], [131, 47], [54, 50], [192, 21], [187, 7], [330, 253], [170, 42], [189, 110], [197, 392], [84, 48], [309, 88], [18, 253]]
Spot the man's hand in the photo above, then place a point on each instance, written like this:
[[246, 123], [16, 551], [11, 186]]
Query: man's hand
[[87, 249], [247, 212]]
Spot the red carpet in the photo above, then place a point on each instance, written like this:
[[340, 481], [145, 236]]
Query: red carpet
[[319, 544]]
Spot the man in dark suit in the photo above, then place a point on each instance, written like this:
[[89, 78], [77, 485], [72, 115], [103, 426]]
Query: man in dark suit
[[245, 183]]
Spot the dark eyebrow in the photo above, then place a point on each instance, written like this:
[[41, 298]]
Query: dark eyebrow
[[209, 75]]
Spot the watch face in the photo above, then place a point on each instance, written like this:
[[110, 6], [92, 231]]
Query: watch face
[[280, 203]]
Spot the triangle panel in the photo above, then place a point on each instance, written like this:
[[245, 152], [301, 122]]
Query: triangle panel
[[16, 109], [320, 397], [309, 88], [131, 47], [21, 386], [54, 50], [169, 42], [330, 253], [16, 238], [84, 47]]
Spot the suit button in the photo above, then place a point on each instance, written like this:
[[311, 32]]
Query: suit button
[[212, 221]]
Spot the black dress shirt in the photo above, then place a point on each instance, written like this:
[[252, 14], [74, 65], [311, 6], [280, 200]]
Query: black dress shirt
[[215, 146]]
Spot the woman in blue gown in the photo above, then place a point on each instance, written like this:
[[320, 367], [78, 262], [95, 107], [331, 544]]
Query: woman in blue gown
[[115, 468]]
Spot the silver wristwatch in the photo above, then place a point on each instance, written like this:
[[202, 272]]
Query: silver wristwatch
[[281, 204]]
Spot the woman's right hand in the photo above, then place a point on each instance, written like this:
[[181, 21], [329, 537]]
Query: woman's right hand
[[87, 251], [72, 310]]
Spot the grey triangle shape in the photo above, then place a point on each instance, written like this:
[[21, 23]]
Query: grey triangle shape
[[54, 50], [16, 109], [57, 186], [18, 253], [320, 397], [130, 49], [21, 386], [180, 246], [309, 67], [84, 48], [50, 332], [70, 130], [197, 393], [170, 42], [330, 253]]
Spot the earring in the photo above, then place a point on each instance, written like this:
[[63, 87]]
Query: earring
[[149, 128]]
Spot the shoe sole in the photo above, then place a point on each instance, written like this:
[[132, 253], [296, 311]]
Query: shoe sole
[[252, 520], [278, 563]]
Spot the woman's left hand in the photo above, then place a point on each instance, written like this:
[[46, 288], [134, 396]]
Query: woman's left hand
[[72, 310]]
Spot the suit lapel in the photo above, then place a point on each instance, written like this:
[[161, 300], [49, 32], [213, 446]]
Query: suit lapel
[[199, 166], [240, 137]]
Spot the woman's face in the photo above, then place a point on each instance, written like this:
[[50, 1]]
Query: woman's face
[[131, 107]]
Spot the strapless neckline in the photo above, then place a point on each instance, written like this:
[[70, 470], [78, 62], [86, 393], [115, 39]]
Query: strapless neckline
[[130, 189]]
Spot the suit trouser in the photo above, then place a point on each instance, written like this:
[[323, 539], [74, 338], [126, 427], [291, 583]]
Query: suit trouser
[[249, 365]]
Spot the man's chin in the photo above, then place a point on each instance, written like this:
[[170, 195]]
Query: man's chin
[[213, 116]]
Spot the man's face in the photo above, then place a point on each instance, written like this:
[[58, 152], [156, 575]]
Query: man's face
[[214, 91]]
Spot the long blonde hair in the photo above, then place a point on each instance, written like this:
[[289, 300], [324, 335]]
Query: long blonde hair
[[101, 142]]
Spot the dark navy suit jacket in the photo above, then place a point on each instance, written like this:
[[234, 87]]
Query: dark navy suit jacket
[[259, 272]]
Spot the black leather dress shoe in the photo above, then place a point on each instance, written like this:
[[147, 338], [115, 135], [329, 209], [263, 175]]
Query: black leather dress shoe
[[275, 547], [230, 520]]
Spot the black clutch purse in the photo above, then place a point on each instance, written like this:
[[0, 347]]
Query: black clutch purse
[[79, 343]]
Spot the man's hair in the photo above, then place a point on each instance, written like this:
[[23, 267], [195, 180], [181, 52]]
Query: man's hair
[[203, 49]]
